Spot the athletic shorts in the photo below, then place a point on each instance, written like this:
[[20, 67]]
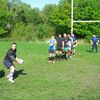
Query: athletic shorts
[[7, 64], [51, 51], [59, 49], [66, 48]]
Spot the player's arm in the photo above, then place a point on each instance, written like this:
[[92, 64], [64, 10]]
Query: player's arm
[[91, 41], [76, 42], [48, 41], [55, 43], [17, 60], [62, 44], [14, 58], [98, 42], [11, 55]]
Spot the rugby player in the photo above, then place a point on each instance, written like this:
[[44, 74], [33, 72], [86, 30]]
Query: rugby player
[[59, 47], [65, 46], [52, 44], [9, 59], [94, 41], [74, 44]]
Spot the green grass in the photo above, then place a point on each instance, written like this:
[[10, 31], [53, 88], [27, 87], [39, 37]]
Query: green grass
[[77, 79]]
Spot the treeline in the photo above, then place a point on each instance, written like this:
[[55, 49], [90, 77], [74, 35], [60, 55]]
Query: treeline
[[87, 10], [19, 21]]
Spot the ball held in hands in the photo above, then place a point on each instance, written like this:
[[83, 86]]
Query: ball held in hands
[[20, 61]]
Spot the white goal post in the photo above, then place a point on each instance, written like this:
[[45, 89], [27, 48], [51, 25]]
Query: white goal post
[[78, 21]]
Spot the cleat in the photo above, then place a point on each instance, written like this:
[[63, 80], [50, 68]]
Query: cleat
[[8, 76], [49, 61], [11, 80], [53, 62]]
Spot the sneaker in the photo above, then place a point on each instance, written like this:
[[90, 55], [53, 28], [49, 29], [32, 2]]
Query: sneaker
[[49, 61], [11, 79], [53, 62], [8, 76], [73, 55], [70, 57]]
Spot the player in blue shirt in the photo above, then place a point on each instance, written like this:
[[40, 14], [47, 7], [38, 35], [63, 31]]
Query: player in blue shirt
[[94, 41], [52, 44]]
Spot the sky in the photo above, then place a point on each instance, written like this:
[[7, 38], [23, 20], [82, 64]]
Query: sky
[[40, 3]]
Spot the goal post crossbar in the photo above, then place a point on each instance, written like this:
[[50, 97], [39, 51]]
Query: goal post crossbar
[[78, 21], [87, 21]]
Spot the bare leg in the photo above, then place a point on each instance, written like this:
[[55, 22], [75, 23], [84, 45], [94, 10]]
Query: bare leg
[[50, 57], [53, 56], [11, 73]]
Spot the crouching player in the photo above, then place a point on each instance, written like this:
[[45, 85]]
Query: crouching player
[[52, 44], [8, 61]]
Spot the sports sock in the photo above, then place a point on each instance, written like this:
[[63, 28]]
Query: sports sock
[[50, 58], [53, 58]]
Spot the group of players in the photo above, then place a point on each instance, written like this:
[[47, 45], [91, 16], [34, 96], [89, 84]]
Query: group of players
[[65, 45], [62, 47], [59, 48]]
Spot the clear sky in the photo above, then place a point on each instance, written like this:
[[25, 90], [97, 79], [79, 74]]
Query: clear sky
[[40, 3]]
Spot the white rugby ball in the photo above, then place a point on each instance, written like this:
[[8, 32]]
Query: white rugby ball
[[21, 61]]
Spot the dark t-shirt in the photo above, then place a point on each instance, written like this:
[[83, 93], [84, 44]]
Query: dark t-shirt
[[74, 40], [66, 41], [59, 42], [9, 54]]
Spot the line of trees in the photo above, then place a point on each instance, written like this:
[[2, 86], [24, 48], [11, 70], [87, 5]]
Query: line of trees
[[18, 20], [87, 10]]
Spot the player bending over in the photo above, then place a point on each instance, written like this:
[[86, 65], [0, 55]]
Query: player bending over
[[9, 59]]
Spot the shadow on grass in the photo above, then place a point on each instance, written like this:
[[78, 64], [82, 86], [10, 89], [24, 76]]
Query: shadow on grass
[[2, 73], [19, 72], [90, 51]]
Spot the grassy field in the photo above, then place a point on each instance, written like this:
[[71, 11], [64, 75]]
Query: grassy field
[[77, 79]]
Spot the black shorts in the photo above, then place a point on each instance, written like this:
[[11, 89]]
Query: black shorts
[[51, 51], [7, 64], [59, 49]]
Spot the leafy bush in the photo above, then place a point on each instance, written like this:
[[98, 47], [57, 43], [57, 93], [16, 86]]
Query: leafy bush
[[44, 31], [23, 31]]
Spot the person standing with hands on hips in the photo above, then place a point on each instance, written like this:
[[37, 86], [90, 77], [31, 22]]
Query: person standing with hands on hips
[[94, 42]]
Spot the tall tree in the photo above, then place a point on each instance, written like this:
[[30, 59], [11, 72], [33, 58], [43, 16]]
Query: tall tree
[[5, 18]]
